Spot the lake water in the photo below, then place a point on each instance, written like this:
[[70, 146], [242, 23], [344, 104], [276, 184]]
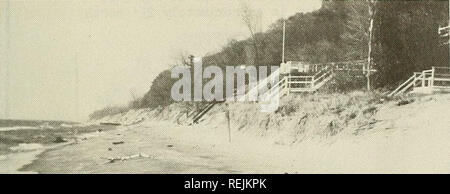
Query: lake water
[[11, 125]]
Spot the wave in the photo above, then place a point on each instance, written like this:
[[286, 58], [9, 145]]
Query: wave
[[18, 128]]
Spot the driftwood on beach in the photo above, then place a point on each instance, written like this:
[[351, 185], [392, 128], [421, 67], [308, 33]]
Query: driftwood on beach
[[124, 158], [108, 123]]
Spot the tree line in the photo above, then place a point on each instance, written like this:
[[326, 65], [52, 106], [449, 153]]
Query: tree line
[[404, 39]]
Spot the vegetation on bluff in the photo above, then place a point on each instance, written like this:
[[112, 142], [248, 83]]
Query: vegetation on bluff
[[405, 39]]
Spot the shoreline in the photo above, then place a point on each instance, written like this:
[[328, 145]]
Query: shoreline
[[16, 163], [40, 155], [13, 163]]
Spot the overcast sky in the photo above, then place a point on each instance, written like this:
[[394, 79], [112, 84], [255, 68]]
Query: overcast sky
[[118, 46]]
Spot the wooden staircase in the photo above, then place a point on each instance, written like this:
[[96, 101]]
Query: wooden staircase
[[434, 80], [197, 115], [309, 83], [288, 84], [301, 84], [323, 73]]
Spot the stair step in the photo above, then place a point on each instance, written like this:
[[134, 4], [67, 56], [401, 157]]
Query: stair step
[[203, 111]]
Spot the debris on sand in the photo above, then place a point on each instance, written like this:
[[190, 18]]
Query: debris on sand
[[125, 158], [118, 142], [60, 139], [110, 123], [169, 146], [405, 102]]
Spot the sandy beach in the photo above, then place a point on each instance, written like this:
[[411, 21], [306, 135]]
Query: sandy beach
[[154, 143], [169, 148]]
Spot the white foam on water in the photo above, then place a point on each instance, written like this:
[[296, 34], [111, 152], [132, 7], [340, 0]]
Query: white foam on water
[[27, 147], [17, 128]]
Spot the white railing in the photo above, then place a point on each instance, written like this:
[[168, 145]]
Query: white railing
[[290, 83], [441, 77], [281, 86], [255, 90], [435, 77], [444, 31], [299, 83], [322, 77], [404, 86]]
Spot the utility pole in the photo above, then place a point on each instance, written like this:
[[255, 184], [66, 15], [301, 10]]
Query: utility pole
[[227, 115], [284, 39]]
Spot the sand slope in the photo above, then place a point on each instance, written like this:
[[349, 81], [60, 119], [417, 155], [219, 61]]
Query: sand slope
[[411, 138]]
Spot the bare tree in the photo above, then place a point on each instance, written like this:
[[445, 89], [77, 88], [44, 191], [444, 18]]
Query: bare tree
[[179, 58], [135, 99], [133, 94], [372, 12], [249, 18], [357, 32], [360, 28]]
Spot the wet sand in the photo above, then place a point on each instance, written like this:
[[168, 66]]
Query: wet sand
[[11, 163], [165, 155]]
